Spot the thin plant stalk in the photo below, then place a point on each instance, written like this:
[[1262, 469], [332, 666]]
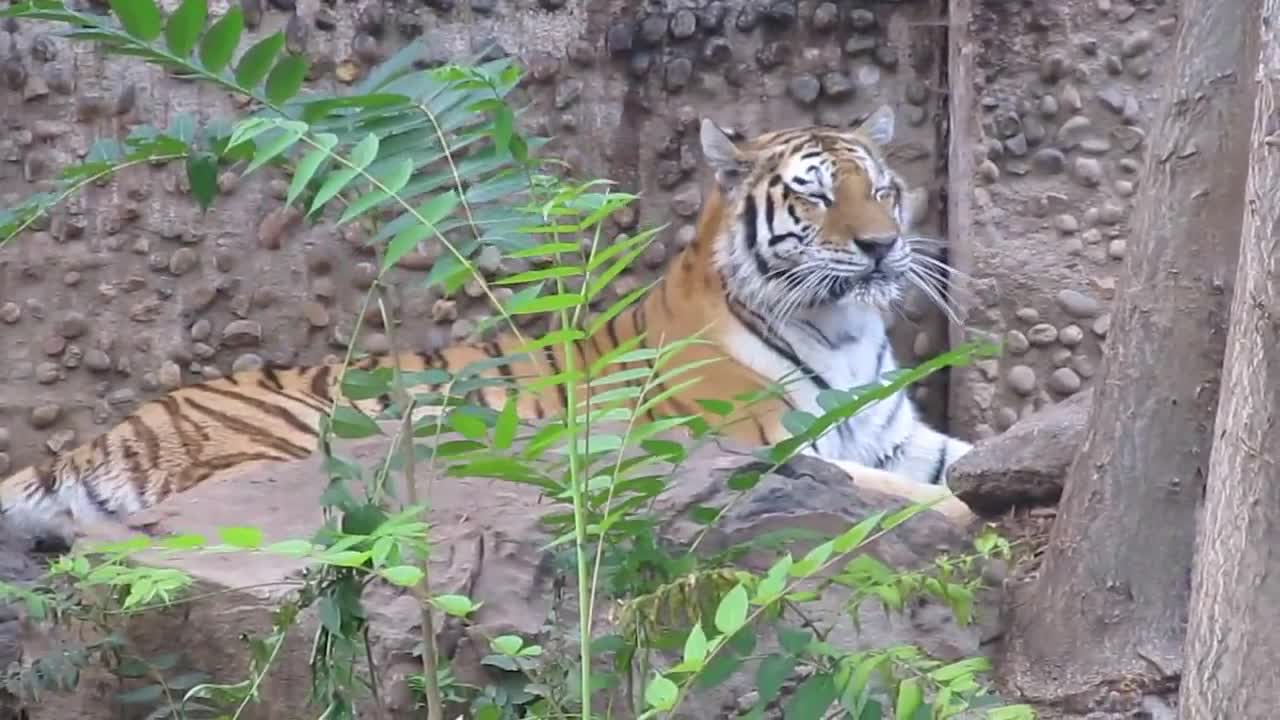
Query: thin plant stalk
[[577, 487], [431, 683]]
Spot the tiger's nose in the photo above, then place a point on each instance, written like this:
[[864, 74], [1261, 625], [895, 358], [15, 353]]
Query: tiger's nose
[[876, 248]]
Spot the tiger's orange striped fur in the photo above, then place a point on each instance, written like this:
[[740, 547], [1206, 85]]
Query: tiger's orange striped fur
[[199, 432]]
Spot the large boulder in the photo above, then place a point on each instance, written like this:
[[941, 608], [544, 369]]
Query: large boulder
[[488, 544], [1027, 464]]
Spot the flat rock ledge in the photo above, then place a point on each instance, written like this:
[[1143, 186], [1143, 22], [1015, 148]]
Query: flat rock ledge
[[487, 541], [1026, 465]]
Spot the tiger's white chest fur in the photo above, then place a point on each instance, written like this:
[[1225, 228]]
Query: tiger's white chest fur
[[844, 347]]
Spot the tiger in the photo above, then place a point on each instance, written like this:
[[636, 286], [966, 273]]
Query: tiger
[[802, 240]]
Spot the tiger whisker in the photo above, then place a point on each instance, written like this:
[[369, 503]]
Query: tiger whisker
[[926, 287], [944, 267], [791, 302], [804, 292], [942, 283]]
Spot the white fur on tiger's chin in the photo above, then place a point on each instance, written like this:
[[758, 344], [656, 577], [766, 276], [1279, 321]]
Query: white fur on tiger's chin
[[948, 505]]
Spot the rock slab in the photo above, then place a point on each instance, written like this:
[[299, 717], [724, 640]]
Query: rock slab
[[1027, 464], [488, 543]]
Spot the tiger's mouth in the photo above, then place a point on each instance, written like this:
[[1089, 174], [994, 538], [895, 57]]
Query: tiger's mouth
[[879, 288]]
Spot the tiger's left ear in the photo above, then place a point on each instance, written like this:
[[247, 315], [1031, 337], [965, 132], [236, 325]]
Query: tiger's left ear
[[725, 159], [879, 125]]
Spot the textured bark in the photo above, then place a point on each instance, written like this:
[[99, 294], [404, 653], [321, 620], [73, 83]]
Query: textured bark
[[1110, 605], [1232, 649]]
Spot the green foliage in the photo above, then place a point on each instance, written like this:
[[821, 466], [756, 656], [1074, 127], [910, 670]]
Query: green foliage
[[389, 156]]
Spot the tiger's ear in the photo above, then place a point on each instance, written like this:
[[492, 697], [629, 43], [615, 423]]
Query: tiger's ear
[[879, 125], [725, 159]]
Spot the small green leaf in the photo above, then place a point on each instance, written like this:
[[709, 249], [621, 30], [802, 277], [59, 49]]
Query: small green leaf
[[256, 61], [350, 423], [307, 166], [794, 640], [546, 304], [812, 698], [140, 18], [382, 550], [854, 536], [810, 563], [241, 537], [366, 384], [248, 129], [290, 133], [365, 151], [716, 407], [743, 479], [219, 44], [537, 275], [888, 595], [968, 666], [986, 541], [459, 605], [431, 213], [772, 673], [705, 514], [910, 695], [661, 693], [333, 184], [695, 648], [183, 542], [503, 126], [202, 174], [902, 516], [403, 575], [468, 425], [448, 273], [286, 78], [508, 644], [345, 558], [437, 208], [731, 615], [330, 614], [184, 26], [361, 155], [797, 422], [395, 180], [773, 584], [504, 431], [296, 548]]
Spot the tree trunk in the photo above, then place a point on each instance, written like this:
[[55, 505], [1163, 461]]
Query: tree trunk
[[1110, 604], [1232, 649]]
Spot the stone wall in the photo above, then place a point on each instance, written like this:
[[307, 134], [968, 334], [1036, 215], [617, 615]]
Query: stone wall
[[1049, 109], [129, 290]]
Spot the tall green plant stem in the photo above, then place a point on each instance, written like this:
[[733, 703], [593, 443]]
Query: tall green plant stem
[[577, 483], [431, 681], [578, 488]]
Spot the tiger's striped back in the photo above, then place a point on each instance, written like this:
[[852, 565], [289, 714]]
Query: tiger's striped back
[[197, 432], [801, 242]]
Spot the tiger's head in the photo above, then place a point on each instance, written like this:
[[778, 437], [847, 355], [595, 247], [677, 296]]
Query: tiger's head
[[813, 216]]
